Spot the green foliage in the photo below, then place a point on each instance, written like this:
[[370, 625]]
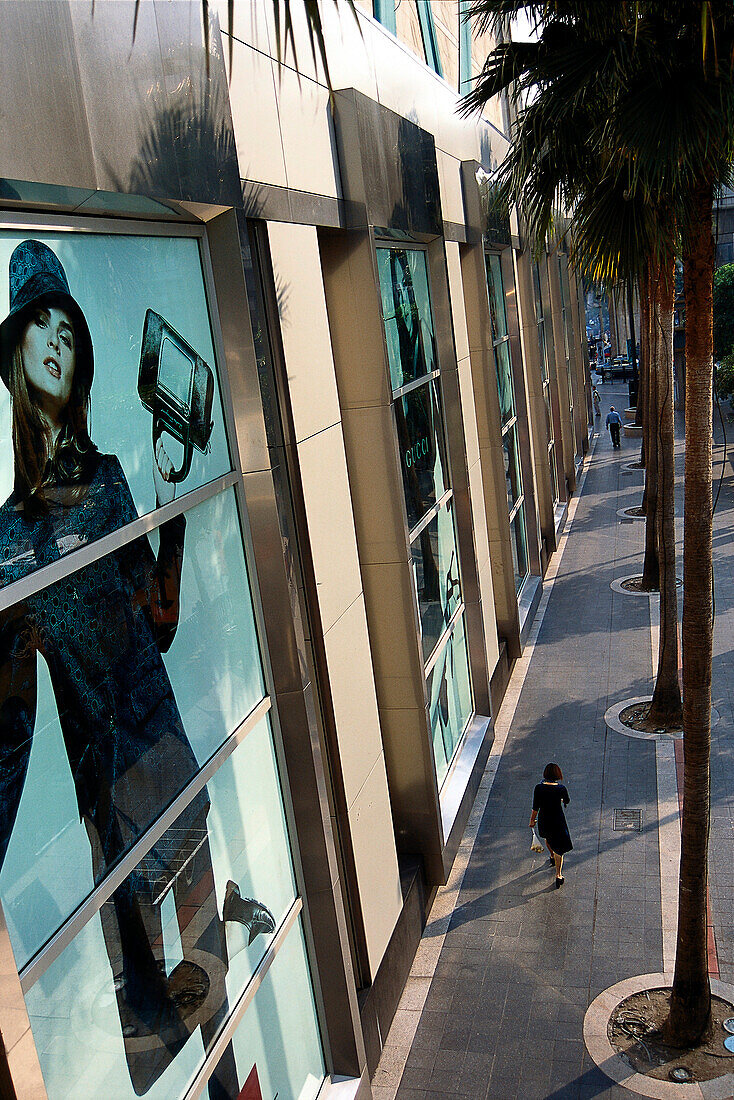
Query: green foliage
[[724, 311], [724, 378]]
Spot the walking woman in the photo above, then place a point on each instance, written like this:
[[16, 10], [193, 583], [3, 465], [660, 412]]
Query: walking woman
[[549, 798], [102, 630]]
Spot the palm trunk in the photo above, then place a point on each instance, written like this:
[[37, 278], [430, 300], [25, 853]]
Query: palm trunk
[[650, 569], [644, 358], [690, 1006], [666, 709]]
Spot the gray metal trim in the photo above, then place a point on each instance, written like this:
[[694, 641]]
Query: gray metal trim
[[225, 1035], [430, 514], [401, 390], [107, 226], [70, 563], [516, 506], [61, 939], [443, 640]]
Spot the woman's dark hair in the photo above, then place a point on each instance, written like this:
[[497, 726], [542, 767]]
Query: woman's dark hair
[[37, 465], [552, 772]]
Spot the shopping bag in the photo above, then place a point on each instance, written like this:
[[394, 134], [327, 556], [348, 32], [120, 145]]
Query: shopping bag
[[536, 844]]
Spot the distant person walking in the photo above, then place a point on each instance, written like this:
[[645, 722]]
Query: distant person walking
[[549, 798], [614, 423], [597, 402]]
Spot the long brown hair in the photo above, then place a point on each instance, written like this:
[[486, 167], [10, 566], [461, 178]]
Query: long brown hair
[[38, 464]]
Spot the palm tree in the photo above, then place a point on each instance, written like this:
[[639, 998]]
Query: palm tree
[[671, 123], [565, 154]]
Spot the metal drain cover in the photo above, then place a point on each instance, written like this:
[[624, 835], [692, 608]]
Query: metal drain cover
[[627, 819]]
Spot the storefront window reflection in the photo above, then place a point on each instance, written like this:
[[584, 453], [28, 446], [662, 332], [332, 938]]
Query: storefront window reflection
[[128, 657], [449, 695], [436, 572], [422, 451], [508, 417], [429, 508]]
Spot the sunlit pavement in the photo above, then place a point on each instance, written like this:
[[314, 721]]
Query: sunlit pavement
[[508, 964]]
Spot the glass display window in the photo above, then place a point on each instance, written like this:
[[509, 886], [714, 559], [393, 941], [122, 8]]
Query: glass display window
[[406, 313], [146, 871], [144, 371], [419, 424], [436, 574], [130, 698], [449, 698], [134, 1003]]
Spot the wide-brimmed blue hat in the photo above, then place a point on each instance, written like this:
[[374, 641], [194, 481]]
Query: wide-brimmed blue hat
[[37, 277]]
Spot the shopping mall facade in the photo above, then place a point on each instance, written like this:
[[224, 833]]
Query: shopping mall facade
[[252, 648]]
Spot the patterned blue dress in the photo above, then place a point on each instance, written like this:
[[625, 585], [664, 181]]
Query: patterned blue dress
[[101, 631]]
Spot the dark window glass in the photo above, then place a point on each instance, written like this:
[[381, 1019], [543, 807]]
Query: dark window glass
[[449, 699], [496, 296], [422, 449], [504, 381], [465, 39], [406, 311], [519, 547], [428, 33], [436, 573], [385, 13], [537, 293], [512, 467]]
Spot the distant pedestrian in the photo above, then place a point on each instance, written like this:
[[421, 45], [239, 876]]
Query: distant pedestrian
[[597, 402], [614, 423], [549, 798]]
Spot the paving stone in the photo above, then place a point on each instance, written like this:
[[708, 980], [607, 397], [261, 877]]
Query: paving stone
[[512, 979]]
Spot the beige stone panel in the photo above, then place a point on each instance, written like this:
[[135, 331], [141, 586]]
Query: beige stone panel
[[481, 534], [249, 24], [469, 412], [347, 48], [491, 641], [355, 319], [456, 290], [328, 505], [304, 327], [406, 85], [449, 178], [354, 701], [392, 604], [375, 483], [256, 132], [378, 877], [305, 126]]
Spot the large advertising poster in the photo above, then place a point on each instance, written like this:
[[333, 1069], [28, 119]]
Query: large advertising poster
[[123, 670]]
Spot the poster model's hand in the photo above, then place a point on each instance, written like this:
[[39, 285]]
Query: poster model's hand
[[165, 489]]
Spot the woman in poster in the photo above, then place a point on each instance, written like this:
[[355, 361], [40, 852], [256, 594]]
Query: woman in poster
[[102, 630]]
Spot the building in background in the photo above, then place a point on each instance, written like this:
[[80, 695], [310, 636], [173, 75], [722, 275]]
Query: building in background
[[247, 686]]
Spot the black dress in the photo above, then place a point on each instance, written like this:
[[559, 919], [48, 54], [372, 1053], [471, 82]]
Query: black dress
[[549, 800]]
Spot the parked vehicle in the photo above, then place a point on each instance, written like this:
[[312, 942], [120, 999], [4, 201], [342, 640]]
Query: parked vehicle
[[618, 368]]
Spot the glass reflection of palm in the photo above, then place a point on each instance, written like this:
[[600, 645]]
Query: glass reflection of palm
[[102, 631], [423, 418]]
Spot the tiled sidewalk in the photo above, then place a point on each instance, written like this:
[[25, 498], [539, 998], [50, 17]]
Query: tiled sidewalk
[[508, 965]]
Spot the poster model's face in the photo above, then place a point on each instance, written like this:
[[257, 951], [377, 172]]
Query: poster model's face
[[115, 279], [48, 350]]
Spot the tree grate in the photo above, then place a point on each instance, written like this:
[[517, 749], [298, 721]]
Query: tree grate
[[627, 819]]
